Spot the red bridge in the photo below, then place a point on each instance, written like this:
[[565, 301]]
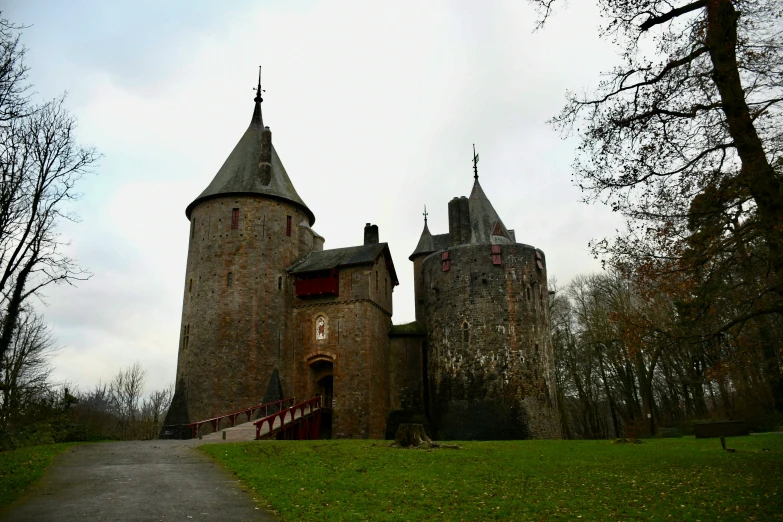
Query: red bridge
[[287, 420]]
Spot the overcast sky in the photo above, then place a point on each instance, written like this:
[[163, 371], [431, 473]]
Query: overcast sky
[[374, 107]]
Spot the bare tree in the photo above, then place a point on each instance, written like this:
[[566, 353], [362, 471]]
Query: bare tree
[[26, 368], [13, 73], [685, 139], [126, 390], [153, 411], [40, 164]]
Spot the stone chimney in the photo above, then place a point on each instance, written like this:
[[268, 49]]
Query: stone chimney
[[265, 161], [370, 234], [459, 221]]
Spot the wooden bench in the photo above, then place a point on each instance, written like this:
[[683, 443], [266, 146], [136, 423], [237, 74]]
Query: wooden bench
[[721, 429]]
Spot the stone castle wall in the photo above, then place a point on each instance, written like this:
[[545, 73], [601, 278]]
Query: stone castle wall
[[235, 327], [355, 349], [406, 374], [489, 353]]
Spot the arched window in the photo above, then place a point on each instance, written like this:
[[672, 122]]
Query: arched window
[[230, 279], [280, 283], [320, 328]]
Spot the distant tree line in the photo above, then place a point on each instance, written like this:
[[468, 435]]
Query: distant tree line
[[627, 364]]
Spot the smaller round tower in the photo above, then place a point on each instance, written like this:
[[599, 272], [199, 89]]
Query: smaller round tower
[[483, 299]]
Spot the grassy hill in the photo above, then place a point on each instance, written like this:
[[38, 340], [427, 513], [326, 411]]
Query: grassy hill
[[672, 479]]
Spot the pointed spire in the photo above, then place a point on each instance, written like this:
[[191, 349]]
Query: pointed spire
[[486, 226], [244, 172], [475, 163], [425, 216], [258, 99]]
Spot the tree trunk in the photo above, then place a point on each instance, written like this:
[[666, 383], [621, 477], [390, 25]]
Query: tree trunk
[[411, 436], [756, 173]]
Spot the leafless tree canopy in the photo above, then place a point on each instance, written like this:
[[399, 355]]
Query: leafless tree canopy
[[623, 369], [26, 368], [40, 164], [684, 138]]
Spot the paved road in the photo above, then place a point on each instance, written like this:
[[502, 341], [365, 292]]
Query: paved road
[[136, 481]]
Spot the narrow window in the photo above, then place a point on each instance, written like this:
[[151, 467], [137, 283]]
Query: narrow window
[[280, 283], [465, 333], [234, 218], [376, 280], [192, 228], [185, 337], [536, 348], [527, 290], [386, 286], [190, 286], [230, 279], [288, 226]]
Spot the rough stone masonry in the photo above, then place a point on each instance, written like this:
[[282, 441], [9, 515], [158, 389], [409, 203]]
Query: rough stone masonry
[[268, 312]]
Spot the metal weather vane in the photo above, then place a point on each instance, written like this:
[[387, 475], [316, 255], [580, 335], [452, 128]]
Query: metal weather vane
[[475, 163], [259, 90]]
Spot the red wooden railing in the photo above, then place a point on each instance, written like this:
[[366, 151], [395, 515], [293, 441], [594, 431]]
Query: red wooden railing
[[305, 427], [232, 417]]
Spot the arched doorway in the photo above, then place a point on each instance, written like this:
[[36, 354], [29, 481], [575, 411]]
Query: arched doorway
[[322, 379]]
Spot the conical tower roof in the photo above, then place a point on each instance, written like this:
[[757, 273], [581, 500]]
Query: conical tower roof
[[239, 175], [486, 226], [426, 243]]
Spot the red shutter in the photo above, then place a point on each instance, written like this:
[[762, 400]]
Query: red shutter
[[496, 255], [445, 262], [288, 225], [234, 218]]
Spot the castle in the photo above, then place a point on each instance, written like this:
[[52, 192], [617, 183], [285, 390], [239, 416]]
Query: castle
[[268, 312]]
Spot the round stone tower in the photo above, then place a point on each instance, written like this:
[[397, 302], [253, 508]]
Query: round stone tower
[[246, 228], [483, 299]]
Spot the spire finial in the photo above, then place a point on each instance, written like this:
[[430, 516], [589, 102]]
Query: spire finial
[[258, 98], [425, 215], [475, 163]]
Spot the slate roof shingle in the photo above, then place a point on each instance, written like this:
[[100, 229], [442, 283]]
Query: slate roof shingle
[[348, 256]]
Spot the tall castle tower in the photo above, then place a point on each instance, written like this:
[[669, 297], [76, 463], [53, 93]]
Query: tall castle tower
[[482, 298], [246, 228], [268, 313]]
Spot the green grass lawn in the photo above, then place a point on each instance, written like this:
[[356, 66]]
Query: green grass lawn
[[660, 479], [20, 468]]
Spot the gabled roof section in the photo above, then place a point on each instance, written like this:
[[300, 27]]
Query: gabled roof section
[[239, 175], [343, 257], [484, 221]]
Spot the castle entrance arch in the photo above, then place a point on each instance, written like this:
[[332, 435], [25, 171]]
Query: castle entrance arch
[[322, 383]]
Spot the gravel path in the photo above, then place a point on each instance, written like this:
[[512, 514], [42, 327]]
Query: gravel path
[[141, 480]]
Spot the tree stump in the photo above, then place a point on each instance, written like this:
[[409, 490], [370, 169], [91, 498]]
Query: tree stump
[[412, 436]]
